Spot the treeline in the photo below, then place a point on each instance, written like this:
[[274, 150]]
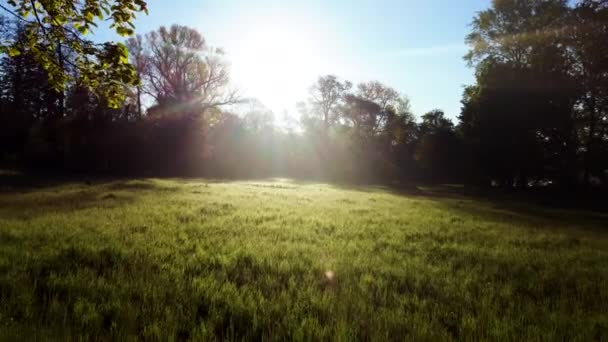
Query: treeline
[[539, 109], [184, 119], [536, 116]]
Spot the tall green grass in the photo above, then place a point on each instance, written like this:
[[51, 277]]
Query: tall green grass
[[282, 260]]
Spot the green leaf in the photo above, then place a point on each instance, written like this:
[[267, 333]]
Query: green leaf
[[98, 65], [83, 29], [122, 31], [13, 52]]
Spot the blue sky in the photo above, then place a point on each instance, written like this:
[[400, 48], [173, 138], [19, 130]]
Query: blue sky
[[278, 48]]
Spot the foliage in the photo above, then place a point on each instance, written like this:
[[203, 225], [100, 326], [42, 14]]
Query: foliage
[[180, 71], [325, 98], [54, 28], [537, 114], [537, 110]]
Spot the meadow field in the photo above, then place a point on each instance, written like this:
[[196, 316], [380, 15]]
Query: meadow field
[[173, 259]]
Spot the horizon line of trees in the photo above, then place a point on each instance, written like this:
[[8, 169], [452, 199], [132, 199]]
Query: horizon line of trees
[[537, 114]]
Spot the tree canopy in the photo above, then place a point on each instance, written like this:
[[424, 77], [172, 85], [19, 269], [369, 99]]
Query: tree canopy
[[54, 35], [536, 110], [535, 115]]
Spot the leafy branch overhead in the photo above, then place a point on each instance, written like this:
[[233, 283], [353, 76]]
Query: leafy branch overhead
[[54, 36]]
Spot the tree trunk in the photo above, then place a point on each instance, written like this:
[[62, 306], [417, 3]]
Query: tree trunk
[[138, 102], [590, 142], [61, 100]]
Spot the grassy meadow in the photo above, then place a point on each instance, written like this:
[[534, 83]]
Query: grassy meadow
[[285, 260]]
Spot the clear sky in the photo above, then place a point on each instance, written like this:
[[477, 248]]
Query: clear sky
[[278, 48]]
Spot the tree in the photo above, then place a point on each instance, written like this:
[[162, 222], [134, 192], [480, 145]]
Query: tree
[[439, 150], [27, 94], [399, 124], [326, 96], [362, 114], [258, 118], [588, 36], [435, 122], [379, 93], [53, 28], [139, 60], [389, 102], [181, 72], [510, 31], [519, 115]]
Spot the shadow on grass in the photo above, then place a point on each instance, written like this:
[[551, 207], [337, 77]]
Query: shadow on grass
[[30, 206], [28, 197], [21, 183], [533, 206], [525, 207], [529, 214], [17, 182]]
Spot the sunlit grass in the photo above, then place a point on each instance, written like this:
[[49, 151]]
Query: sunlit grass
[[286, 260]]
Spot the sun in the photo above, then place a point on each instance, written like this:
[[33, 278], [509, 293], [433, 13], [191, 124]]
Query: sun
[[276, 65]]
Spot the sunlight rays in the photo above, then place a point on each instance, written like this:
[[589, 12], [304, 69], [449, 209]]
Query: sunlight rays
[[280, 61]]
